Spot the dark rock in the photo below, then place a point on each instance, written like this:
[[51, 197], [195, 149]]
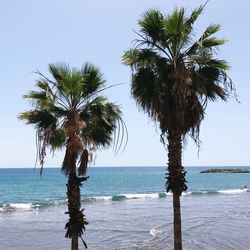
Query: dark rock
[[225, 171]]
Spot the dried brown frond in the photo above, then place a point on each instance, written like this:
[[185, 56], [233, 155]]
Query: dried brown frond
[[83, 162]]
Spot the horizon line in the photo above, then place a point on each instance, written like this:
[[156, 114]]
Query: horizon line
[[138, 166]]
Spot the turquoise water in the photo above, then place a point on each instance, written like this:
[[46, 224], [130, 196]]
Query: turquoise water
[[26, 185], [127, 208]]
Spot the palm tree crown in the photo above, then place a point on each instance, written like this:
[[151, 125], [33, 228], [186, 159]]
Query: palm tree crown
[[68, 105], [175, 75]]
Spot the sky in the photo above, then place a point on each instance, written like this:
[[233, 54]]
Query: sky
[[36, 33]]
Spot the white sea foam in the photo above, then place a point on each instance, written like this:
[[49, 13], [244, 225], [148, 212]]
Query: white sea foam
[[233, 191], [134, 196], [58, 202], [168, 194], [155, 232], [183, 193], [158, 195], [186, 193], [102, 198], [141, 196], [24, 206]]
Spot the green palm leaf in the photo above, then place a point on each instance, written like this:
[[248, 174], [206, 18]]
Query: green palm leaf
[[72, 93]]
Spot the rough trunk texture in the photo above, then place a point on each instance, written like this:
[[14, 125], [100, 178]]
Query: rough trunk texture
[[74, 242], [176, 182], [73, 193], [77, 222], [177, 222]]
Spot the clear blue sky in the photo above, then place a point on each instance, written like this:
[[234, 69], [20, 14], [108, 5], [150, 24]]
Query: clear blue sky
[[36, 33]]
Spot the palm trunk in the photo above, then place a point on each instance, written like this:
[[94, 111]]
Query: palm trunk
[[177, 222], [76, 224], [74, 242], [176, 182], [74, 205]]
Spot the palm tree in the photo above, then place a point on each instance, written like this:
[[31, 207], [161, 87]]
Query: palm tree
[[69, 112], [174, 75]]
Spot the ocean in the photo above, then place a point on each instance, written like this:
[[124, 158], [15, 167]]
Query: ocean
[[126, 207]]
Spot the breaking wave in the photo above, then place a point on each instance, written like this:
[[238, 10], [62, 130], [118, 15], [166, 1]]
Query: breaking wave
[[119, 197]]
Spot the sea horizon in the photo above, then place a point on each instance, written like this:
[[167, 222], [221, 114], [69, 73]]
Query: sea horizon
[[139, 166]]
